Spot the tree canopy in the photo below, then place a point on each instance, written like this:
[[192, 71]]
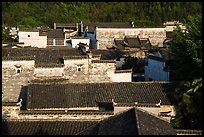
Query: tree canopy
[[34, 14], [187, 47]]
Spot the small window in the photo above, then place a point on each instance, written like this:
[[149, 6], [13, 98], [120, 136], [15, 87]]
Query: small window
[[28, 35], [79, 69], [18, 70]]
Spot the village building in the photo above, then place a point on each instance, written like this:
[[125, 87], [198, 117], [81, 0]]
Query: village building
[[20, 65], [76, 40], [70, 81], [159, 65], [133, 46], [105, 33], [99, 104], [32, 37]]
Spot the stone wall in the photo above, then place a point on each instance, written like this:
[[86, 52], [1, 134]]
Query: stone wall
[[61, 116], [76, 70], [106, 36], [86, 71], [12, 81], [10, 112], [49, 72], [101, 72]]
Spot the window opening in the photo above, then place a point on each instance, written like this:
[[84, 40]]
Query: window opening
[[18, 70], [79, 69]]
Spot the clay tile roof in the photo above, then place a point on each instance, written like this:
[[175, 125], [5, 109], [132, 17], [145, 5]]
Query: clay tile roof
[[43, 96]]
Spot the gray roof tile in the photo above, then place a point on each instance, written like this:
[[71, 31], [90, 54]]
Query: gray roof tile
[[50, 95]]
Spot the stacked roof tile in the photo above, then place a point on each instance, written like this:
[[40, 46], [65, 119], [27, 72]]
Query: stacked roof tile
[[131, 122], [55, 96]]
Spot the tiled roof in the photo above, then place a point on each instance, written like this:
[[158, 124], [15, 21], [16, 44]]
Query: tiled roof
[[131, 122], [150, 125], [120, 44], [91, 26], [46, 57], [69, 112], [45, 127], [69, 25], [29, 29], [108, 54], [44, 32], [121, 124], [133, 42], [55, 33], [43, 96]]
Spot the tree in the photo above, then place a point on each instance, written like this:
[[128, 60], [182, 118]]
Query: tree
[[6, 38], [187, 46]]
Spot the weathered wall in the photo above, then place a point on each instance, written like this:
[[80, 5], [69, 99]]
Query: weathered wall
[[76, 70], [101, 72], [106, 36], [83, 70], [34, 40], [12, 81], [49, 72], [12, 116], [10, 112], [154, 70]]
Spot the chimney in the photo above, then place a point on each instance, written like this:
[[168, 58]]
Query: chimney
[[97, 44], [132, 23], [82, 26], [55, 25], [53, 42]]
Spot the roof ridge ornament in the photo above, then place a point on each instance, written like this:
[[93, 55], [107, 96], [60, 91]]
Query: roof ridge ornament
[[20, 102], [158, 104], [114, 103]]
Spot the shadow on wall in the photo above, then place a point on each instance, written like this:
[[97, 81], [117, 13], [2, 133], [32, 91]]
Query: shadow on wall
[[23, 96]]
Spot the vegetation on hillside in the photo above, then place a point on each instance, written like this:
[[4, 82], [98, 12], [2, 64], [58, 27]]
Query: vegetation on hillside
[[33, 14]]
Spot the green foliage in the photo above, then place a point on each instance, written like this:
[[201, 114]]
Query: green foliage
[[46, 13], [187, 46], [6, 38]]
